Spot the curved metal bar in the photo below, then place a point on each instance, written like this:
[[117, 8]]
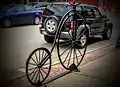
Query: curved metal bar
[[59, 29]]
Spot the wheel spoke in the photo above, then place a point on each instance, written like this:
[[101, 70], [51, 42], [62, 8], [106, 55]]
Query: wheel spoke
[[43, 71], [36, 57], [76, 56], [37, 75], [39, 56], [66, 50], [32, 64], [32, 71], [70, 36], [45, 68], [65, 43], [67, 56], [32, 68], [41, 74], [34, 60], [81, 34], [43, 54], [44, 61], [80, 52], [34, 74], [78, 44]]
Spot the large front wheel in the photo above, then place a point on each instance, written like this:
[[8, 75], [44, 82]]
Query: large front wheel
[[71, 46]]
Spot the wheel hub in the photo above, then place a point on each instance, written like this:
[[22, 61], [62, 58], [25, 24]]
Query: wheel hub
[[83, 40], [108, 32], [50, 25]]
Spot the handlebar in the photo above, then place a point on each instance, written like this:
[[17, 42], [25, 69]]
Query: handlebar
[[74, 4]]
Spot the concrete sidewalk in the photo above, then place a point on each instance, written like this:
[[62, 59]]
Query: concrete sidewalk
[[98, 69]]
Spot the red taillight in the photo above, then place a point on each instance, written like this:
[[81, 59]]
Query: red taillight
[[73, 25], [41, 18]]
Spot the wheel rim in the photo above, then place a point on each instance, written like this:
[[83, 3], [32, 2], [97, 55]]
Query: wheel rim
[[36, 71], [109, 33], [7, 23], [37, 20], [83, 40], [70, 51], [51, 25]]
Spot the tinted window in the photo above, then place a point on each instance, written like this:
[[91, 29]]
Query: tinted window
[[97, 13], [29, 8], [6, 8], [78, 8], [18, 9], [59, 9], [87, 12], [41, 5]]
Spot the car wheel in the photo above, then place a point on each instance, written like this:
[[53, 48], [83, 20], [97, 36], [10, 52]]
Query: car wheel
[[36, 20], [49, 39], [50, 25], [107, 34], [83, 40], [7, 23]]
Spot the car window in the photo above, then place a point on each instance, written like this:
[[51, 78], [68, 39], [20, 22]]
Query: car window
[[78, 8], [18, 9], [29, 8], [97, 13], [87, 12], [41, 5], [59, 9], [6, 8]]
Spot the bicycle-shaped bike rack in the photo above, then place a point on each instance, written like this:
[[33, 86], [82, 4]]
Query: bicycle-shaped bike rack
[[38, 64]]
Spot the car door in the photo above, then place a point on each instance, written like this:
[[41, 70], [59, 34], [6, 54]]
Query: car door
[[88, 14], [99, 22], [29, 14], [18, 15]]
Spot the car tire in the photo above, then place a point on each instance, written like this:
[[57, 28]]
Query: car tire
[[36, 20], [50, 25], [107, 34], [7, 23], [49, 39], [83, 40]]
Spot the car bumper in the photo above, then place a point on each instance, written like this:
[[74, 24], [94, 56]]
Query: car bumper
[[118, 43], [64, 35]]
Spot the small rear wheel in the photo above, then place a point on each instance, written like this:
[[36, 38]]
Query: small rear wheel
[[38, 66]]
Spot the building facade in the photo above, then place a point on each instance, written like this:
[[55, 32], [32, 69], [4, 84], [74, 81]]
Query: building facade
[[104, 4]]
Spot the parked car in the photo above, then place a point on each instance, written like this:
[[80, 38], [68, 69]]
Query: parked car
[[97, 22], [118, 42], [19, 14], [39, 5]]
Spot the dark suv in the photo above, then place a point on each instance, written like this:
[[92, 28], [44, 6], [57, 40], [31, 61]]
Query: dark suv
[[97, 23]]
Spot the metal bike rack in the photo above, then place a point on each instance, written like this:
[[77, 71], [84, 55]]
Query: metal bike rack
[[38, 64]]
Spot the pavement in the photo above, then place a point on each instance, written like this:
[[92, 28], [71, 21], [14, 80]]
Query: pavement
[[100, 68]]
